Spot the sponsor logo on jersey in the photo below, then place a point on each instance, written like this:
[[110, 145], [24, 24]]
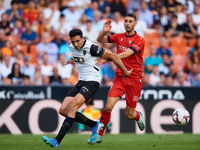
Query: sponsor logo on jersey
[[99, 49], [122, 48], [135, 98], [84, 52], [136, 46]]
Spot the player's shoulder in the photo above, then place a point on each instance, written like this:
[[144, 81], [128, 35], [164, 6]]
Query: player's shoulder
[[140, 38]]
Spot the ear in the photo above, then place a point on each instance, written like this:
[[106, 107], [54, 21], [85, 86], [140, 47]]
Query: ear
[[135, 23]]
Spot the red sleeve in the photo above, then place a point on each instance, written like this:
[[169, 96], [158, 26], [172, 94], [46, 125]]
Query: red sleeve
[[25, 15], [112, 38], [137, 45]]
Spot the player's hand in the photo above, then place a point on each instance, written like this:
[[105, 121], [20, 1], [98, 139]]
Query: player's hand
[[100, 61], [107, 26], [69, 61], [128, 73]]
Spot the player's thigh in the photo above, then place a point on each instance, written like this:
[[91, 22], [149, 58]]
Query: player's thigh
[[111, 101], [65, 105]]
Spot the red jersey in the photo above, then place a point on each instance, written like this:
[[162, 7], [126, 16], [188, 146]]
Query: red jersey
[[135, 43]]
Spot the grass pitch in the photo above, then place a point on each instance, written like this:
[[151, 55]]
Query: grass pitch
[[110, 142]]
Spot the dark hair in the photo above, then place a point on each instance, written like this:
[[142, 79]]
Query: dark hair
[[75, 32], [88, 21], [131, 15], [13, 67], [14, 2], [26, 77], [62, 16]]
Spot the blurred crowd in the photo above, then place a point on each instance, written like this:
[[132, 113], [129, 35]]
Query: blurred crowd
[[34, 39]]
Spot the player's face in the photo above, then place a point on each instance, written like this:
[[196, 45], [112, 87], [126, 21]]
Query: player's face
[[77, 42], [129, 24]]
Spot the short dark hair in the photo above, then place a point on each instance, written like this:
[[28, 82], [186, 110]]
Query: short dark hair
[[131, 15], [62, 16], [75, 32], [14, 2]]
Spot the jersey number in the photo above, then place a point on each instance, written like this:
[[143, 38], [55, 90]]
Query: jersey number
[[79, 59]]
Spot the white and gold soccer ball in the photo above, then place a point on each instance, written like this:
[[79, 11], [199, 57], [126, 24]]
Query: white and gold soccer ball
[[181, 116]]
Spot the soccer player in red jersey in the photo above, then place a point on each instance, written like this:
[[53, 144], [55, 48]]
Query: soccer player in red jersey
[[130, 48]]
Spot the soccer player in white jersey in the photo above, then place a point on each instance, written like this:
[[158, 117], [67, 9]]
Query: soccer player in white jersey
[[84, 54]]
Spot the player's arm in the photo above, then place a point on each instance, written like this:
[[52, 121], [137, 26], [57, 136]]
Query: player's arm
[[102, 38], [101, 52]]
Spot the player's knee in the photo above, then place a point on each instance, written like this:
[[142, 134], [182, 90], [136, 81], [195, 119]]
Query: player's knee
[[129, 115], [108, 108]]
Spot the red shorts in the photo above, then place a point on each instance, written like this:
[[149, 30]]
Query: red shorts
[[130, 86]]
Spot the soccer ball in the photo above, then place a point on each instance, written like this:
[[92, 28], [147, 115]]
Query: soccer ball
[[181, 117]]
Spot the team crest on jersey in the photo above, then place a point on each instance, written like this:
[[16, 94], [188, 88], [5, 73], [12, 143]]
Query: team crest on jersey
[[130, 42], [84, 52]]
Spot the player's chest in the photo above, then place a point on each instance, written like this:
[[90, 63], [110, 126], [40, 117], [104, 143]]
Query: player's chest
[[82, 56], [124, 43]]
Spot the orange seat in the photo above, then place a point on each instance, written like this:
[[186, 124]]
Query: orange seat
[[33, 58], [33, 49], [179, 62], [179, 46], [192, 42], [23, 48], [15, 39], [146, 53], [152, 35]]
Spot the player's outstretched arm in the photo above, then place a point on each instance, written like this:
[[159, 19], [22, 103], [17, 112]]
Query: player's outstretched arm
[[102, 38], [111, 56]]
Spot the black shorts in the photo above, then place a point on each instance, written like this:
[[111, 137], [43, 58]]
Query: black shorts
[[87, 88]]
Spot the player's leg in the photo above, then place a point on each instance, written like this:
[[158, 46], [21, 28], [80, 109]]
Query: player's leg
[[132, 92]]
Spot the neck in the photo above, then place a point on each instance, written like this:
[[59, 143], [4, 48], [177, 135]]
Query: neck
[[130, 33]]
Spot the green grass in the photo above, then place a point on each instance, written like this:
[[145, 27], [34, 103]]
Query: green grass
[[110, 142]]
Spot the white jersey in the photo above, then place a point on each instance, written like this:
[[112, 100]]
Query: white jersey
[[85, 61]]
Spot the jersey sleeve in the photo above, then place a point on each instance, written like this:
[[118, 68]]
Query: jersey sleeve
[[112, 38], [96, 50], [138, 45]]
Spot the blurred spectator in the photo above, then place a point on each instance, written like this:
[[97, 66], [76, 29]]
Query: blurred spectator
[[162, 18], [181, 17], [189, 7], [29, 36], [145, 14], [173, 29], [189, 29], [89, 33], [194, 58], [108, 70], [7, 50], [58, 40], [31, 12], [117, 5], [196, 47], [7, 81], [133, 4], [163, 49], [146, 80], [92, 7], [64, 70], [5, 67], [141, 26], [117, 24], [22, 4], [82, 21], [161, 82], [14, 13], [47, 47], [6, 4], [18, 28], [82, 5], [194, 75], [19, 58], [45, 80], [64, 49], [46, 69], [164, 67], [97, 25], [73, 78], [27, 68], [72, 15], [26, 80], [154, 77], [170, 4], [2, 38], [55, 78], [172, 72], [2, 9], [152, 60], [181, 80], [37, 75], [104, 6], [5, 24], [196, 16], [52, 14], [169, 81], [16, 76], [62, 25], [41, 25], [42, 5]]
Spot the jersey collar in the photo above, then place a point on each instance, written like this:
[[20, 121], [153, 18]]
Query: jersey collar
[[131, 35], [83, 43]]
